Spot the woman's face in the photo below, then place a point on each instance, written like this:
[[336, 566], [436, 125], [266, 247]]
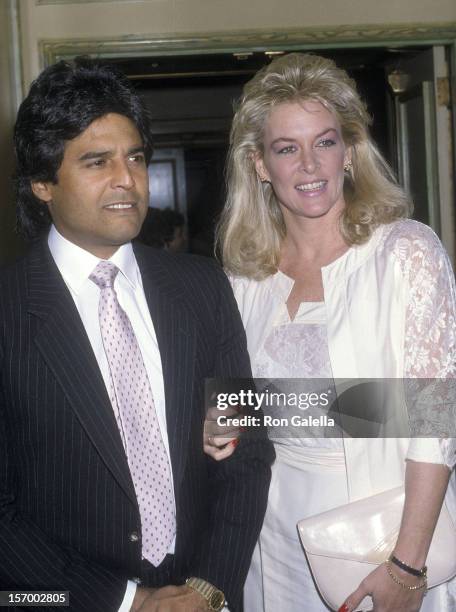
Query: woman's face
[[304, 157]]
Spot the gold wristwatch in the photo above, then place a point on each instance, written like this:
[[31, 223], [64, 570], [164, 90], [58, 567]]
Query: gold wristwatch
[[214, 597]]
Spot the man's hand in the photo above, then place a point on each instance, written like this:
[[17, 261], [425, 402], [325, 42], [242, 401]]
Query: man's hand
[[169, 599]]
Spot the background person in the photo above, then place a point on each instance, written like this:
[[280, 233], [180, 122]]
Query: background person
[[332, 280], [164, 229]]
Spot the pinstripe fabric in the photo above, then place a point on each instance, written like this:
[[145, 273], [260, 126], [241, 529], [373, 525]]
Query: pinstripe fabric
[[67, 502]]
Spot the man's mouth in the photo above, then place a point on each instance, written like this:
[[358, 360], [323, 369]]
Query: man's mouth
[[120, 205]]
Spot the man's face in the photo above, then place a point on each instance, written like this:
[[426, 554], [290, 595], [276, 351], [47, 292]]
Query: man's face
[[101, 196]]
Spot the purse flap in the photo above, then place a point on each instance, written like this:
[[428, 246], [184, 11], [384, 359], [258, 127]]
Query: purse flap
[[365, 530]]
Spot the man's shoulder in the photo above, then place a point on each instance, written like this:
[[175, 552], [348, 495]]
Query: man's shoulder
[[33, 260], [179, 268], [197, 283], [13, 292], [33, 275], [14, 272]]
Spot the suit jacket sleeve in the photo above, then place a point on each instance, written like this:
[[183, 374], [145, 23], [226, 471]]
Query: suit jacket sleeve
[[240, 484]]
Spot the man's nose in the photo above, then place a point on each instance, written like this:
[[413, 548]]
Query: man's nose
[[122, 175]]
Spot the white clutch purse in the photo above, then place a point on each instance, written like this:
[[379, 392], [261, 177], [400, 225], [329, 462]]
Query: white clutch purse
[[345, 544]]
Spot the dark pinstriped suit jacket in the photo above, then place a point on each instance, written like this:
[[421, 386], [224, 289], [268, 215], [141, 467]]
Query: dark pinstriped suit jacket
[[67, 502]]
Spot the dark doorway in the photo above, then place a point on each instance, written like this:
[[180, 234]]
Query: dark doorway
[[191, 100]]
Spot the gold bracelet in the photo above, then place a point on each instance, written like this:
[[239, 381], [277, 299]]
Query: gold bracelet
[[416, 587]]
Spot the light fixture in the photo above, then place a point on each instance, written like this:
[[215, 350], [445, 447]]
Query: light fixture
[[399, 81]]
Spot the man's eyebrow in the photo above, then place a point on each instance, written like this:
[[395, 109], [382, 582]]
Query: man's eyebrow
[[94, 155], [103, 154], [138, 149]]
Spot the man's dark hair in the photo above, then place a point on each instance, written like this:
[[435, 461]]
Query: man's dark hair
[[63, 101]]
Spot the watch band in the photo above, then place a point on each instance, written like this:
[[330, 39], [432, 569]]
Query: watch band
[[214, 597]]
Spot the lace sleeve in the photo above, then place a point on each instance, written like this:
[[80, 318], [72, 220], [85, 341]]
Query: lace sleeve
[[430, 323]]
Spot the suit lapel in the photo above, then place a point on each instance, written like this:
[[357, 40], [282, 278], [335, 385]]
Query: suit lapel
[[176, 336], [65, 347]]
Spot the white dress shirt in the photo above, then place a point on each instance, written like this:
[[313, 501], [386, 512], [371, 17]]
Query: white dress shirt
[[75, 266]]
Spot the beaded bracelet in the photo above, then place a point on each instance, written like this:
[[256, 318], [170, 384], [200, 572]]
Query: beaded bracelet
[[415, 587]]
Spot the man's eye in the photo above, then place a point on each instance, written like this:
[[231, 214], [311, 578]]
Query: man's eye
[[138, 158], [96, 163]]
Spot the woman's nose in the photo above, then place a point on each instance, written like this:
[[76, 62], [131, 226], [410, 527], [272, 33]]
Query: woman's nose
[[309, 161]]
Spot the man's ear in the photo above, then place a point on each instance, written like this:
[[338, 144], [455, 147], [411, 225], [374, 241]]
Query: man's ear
[[42, 191], [263, 174]]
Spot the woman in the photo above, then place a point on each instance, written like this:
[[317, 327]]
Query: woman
[[333, 281]]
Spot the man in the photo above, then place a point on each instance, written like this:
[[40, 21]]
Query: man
[[104, 487]]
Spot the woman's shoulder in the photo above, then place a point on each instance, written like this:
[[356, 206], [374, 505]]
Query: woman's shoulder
[[410, 241], [247, 283], [411, 232], [260, 294], [420, 256]]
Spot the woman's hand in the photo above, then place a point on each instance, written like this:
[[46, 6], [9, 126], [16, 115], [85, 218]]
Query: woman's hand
[[386, 594], [425, 486], [219, 441]]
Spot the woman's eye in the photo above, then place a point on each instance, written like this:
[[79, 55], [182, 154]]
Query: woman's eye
[[327, 142], [285, 150]]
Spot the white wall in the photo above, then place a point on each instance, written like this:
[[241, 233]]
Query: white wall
[[10, 246]]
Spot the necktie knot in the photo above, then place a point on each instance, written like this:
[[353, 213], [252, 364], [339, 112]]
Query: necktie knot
[[104, 274]]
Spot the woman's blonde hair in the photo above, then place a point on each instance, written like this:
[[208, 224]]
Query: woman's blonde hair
[[251, 228]]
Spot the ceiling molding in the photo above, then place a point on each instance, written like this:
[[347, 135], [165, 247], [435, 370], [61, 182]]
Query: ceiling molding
[[46, 2], [52, 50]]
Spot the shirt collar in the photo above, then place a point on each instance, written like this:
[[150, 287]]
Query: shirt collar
[[76, 264], [281, 285]]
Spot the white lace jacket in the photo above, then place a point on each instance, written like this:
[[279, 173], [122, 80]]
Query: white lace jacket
[[391, 313]]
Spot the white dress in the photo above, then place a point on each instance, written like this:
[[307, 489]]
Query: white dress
[[309, 475]]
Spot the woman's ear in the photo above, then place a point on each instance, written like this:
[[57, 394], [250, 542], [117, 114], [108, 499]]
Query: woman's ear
[[262, 173]]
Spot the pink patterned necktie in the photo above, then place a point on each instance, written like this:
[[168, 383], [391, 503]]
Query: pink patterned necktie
[[137, 419]]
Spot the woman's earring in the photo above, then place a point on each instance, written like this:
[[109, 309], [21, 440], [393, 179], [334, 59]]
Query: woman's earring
[[348, 165]]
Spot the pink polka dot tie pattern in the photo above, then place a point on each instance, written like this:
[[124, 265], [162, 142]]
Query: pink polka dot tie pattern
[[137, 419]]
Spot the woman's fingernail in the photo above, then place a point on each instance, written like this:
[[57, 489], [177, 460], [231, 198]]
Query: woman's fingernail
[[344, 608], [235, 442]]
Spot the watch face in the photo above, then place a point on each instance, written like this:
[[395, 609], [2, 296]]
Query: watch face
[[217, 600]]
